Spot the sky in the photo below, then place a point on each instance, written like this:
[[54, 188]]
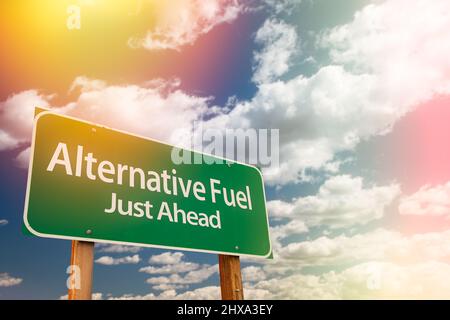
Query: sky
[[359, 205]]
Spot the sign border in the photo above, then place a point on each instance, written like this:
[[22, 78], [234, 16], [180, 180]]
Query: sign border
[[53, 236]]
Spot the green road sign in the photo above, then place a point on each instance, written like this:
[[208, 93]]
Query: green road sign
[[89, 182]]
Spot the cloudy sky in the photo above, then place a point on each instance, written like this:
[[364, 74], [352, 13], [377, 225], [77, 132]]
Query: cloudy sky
[[359, 206]]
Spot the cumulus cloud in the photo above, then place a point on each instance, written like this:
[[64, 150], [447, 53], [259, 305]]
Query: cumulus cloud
[[378, 245], [148, 111], [317, 117], [168, 294], [281, 6], [431, 201], [16, 117], [95, 296], [291, 228], [358, 95], [341, 201], [179, 267], [383, 264], [110, 261], [181, 22], [205, 293], [8, 281], [174, 273], [338, 250], [85, 84], [192, 277], [371, 280], [168, 287], [117, 248], [156, 110], [279, 43], [23, 158], [282, 231], [167, 258], [408, 56], [253, 274]]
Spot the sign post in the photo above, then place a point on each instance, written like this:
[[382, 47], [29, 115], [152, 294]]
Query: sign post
[[82, 266], [89, 183], [230, 278]]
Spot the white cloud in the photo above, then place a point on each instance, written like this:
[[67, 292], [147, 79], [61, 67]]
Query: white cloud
[[167, 258], [282, 6], [408, 56], [280, 208], [318, 116], [155, 110], [116, 248], [110, 261], [179, 267], [8, 281], [148, 111], [6, 141], [253, 274], [177, 274], [205, 293], [338, 250], [371, 280], [291, 228], [16, 117], [279, 44], [340, 202], [192, 277], [379, 245], [168, 287], [168, 294], [85, 84], [391, 281], [300, 287], [283, 231], [181, 22], [3, 222], [95, 296], [431, 201], [360, 94], [23, 158]]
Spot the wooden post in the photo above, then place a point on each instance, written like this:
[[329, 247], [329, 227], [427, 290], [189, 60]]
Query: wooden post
[[83, 260], [230, 277]]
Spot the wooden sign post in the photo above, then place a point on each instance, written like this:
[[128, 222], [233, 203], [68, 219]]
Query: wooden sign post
[[230, 277], [83, 260]]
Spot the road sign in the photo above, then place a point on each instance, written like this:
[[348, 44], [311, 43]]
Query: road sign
[[92, 183]]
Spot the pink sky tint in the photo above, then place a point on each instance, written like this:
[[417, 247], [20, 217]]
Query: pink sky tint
[[417, 153]]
